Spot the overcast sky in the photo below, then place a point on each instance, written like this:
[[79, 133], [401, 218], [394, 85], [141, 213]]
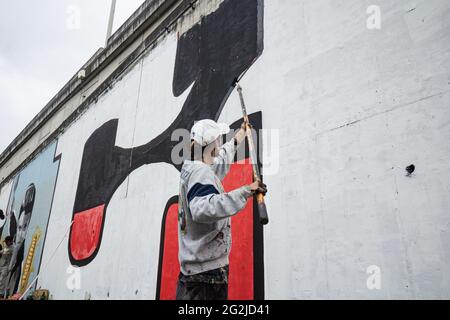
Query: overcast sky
[[43, 43]]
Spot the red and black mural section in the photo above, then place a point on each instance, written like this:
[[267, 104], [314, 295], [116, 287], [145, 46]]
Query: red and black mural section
[[246, 280], [210, 56]]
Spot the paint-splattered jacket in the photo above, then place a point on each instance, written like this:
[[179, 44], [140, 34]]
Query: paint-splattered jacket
[[204, 213]]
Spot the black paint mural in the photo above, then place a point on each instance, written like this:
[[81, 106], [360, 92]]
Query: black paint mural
[[212, 55]]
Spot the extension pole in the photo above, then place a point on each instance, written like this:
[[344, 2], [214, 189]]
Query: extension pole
[[262, 210]]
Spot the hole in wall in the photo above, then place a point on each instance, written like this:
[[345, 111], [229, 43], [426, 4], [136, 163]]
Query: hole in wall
[[410, 170]]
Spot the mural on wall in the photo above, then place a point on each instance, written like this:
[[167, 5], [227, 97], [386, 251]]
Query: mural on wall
[[337, 216], [211, 56], [26, 217]]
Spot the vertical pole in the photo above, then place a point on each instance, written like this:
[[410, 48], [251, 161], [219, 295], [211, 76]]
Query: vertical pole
[[111, 21]]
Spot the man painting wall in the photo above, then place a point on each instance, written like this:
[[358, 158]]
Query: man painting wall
[[205, 210]]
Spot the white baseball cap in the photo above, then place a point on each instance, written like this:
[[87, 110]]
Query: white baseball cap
[[207, 131]]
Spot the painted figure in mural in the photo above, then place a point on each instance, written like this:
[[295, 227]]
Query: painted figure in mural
[[205, 211], [15, 266], [5, 259]]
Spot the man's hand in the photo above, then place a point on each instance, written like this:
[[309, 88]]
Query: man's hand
[[240, 135], [258, 187]]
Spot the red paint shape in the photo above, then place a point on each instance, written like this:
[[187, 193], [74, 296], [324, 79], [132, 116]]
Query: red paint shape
[[170, 263], [86, 231], [241, 279], [241, 257]]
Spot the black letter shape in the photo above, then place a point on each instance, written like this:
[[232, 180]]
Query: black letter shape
[[213, 54]]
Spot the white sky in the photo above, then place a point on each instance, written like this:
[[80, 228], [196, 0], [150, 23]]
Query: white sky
[[43, 43]]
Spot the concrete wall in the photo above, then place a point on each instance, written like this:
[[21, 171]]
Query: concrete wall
[[352, 107]]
